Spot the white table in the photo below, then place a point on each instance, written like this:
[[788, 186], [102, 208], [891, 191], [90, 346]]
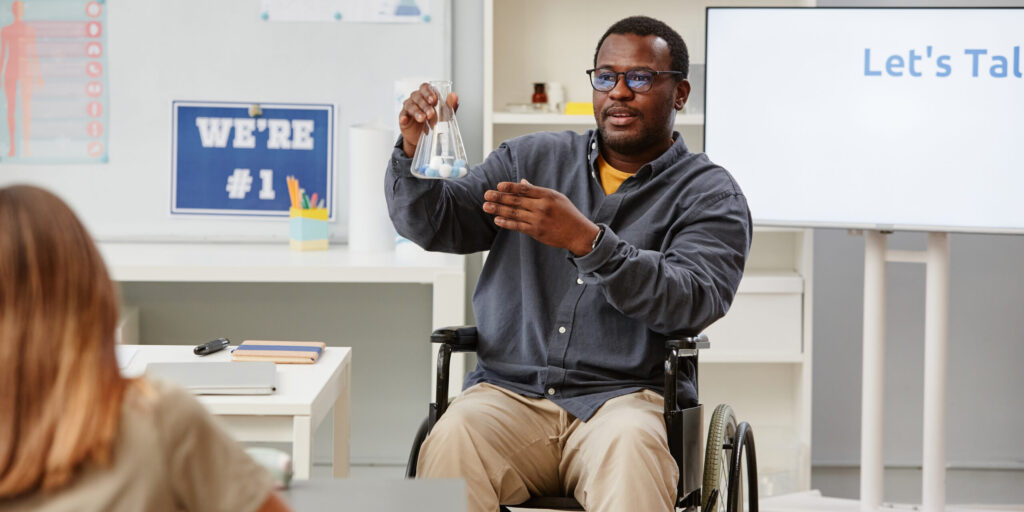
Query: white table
[[361, 494], [305, 395], [276, 263]]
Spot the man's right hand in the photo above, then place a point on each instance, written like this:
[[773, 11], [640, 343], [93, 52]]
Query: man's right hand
[[417, 111]]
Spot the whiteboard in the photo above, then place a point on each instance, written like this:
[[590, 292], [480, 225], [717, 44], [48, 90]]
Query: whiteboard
[[870, 118], [198, 50]]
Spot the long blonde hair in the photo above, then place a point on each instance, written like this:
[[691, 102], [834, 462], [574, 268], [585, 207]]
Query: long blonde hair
[[60, 387]]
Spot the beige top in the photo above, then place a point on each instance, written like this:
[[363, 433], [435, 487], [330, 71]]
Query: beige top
[[170, 455]]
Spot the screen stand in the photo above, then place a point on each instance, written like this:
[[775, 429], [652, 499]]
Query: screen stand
[[936, 335]]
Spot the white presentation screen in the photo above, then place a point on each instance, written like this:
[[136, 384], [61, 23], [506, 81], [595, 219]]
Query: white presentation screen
[[870, 118]]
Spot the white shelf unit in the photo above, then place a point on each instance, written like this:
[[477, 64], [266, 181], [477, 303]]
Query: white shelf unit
[[760, 360]]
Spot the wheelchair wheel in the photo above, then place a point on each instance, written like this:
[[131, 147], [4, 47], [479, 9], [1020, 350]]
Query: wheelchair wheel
[[717, 460]]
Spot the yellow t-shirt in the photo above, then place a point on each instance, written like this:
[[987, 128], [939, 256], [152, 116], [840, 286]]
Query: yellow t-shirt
[[170, 456], [611, 177]]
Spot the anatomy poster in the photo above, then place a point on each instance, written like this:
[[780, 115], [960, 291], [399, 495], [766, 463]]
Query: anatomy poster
[[53, 66]]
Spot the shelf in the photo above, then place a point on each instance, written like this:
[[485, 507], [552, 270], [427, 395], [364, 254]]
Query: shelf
[[222, 262], [712, 357], [575, 120], [771, 282]]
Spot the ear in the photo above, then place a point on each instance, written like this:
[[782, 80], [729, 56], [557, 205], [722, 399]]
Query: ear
[[682, 93]]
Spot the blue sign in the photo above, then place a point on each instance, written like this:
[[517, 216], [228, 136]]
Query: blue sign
[[233, 158]]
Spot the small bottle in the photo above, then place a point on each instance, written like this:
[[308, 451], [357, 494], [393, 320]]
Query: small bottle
[[440, 152], [540, 97]]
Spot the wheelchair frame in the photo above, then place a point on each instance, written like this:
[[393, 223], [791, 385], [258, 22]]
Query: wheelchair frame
[[684, 427]]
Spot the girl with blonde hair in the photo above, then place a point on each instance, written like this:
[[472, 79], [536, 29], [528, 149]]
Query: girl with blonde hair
[[74, 434]]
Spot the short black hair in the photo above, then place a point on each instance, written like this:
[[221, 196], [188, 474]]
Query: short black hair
[[646, 26]]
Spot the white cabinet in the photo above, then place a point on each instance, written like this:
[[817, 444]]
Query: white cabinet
[[760, 360], [761, 354]]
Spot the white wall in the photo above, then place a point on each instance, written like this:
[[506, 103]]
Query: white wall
[[222, 51]]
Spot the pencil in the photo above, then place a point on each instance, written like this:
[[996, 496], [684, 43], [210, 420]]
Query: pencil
[[293, 191]]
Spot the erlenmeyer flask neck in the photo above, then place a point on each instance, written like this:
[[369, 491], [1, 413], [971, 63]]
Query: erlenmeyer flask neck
[[443, 88]]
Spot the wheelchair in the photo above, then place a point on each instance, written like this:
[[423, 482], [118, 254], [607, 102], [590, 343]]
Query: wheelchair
[[712, 484]]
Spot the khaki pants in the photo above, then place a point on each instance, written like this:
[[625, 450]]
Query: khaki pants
[[508, 447]]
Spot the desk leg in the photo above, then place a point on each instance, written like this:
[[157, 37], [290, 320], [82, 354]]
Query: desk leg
[[302, 447], [341, 426]]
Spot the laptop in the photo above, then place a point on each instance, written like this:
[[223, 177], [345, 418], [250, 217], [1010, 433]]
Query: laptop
[[217, 378]]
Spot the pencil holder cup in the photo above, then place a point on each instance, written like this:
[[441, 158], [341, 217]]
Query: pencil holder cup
[[308, 229]]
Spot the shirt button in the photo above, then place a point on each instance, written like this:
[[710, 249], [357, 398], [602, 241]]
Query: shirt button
[[579, 281], [551, 391], [561, 330]]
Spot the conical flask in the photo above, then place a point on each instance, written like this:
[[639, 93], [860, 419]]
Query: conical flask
[[440, 153]]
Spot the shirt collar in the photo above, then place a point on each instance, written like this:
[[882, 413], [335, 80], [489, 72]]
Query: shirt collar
[[664, 161]]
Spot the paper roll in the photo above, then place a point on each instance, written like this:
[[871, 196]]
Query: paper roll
[[369, 227]]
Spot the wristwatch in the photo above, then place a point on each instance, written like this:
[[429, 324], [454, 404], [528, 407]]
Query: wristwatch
[[597, 239]]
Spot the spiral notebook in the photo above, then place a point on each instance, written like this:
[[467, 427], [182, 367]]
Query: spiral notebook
[[287, 352]]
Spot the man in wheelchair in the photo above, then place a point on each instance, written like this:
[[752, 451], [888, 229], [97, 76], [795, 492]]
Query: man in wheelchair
[[602, 244]]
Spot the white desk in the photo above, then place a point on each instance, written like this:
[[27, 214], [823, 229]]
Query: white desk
[[305, 395], [359, 495], [268, 263]]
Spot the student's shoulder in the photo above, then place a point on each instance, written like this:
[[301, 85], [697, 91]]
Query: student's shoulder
[[164, 402]]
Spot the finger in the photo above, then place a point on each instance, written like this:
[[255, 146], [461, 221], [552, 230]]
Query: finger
[[428, 93], [453, 101], [503, 198], [507, 212], [412, 109], [425, 107], [512, 224], [523, 188]]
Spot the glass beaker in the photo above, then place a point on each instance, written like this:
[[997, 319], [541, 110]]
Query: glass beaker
[[440, 153]]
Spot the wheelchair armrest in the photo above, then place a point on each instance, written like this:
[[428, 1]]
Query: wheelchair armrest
[[462, 339], [675, 348], [698, 342], [451, 339]]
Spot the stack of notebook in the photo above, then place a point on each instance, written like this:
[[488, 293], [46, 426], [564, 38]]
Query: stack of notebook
[[289, 352]]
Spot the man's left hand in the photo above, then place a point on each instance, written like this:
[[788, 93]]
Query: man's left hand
[[544, 214]]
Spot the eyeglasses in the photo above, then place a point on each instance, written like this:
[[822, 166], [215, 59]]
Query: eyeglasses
[[637, 80]]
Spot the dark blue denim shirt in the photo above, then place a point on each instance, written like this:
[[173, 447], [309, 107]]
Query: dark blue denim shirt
[[581, 331]]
